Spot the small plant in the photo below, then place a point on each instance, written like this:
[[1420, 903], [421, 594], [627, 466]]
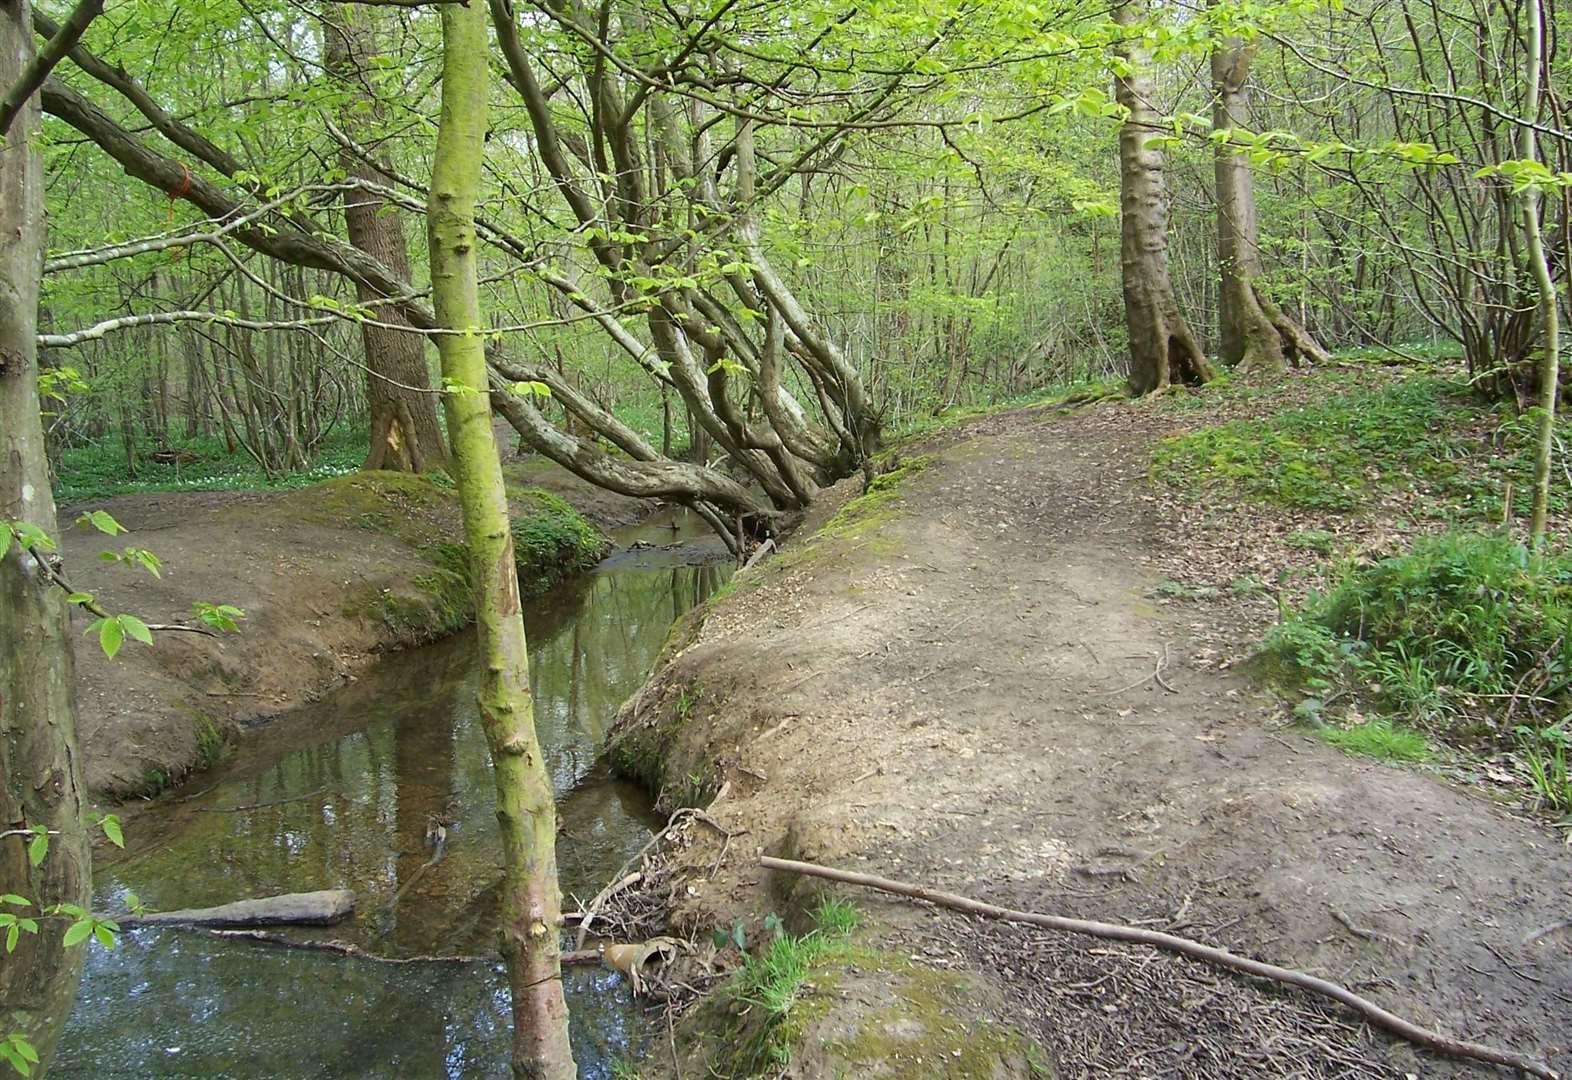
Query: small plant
[[1380, 739], [1319, 541], [1546, 756], [779, 974]]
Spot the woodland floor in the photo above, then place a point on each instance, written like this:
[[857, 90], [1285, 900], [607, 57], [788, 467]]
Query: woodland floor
[[955, 688], [329, 576]]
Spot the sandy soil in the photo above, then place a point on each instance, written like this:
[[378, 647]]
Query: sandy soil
[[959, 688], [327, 576]]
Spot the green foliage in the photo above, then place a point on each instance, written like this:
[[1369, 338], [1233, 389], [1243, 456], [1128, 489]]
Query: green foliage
[[776, 977], [1421, 433], [1546, 756], [19, 1053], [98, 470], [552, 541], [1329, 455], [1380, 739], [1445, 636]]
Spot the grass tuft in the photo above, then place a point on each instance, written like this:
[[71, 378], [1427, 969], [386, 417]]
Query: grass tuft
[[1380, 739]]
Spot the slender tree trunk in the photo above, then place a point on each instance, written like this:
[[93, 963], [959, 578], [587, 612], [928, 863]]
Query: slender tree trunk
[[404, 431], [531, 903], [40, 768], [1163, 349], [1254, 334], [1539, 265]]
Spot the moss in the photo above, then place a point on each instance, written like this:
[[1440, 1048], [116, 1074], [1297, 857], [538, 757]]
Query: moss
[[853, 1010], [551, 541], [647, 751]]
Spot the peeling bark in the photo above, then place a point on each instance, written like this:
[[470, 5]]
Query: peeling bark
[[1254, 334], [1163, 349]]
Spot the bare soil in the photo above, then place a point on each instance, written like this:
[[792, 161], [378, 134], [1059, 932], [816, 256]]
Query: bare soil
[[972, 681], [328, 576]]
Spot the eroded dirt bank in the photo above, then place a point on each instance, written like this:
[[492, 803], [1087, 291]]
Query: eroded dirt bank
[[328, 576], [951, 681]]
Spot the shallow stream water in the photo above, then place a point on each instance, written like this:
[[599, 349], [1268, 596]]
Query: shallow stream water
[[343, 793]]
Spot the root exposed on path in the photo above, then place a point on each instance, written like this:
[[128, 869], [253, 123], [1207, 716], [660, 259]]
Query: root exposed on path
[[1375, 1014]]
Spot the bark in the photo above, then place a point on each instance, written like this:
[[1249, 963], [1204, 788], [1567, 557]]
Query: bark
[[321, 908], [1254, 334], [404, 431], [40, 768], [526, 810], [1539, 265], [1163, 349]]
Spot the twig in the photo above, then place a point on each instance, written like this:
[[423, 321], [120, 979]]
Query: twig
[[1158, 674], [1546, 931], [1362, 931], [619, 880], [257, 806], [1509, 965], [1372, 1012], [344, 948]]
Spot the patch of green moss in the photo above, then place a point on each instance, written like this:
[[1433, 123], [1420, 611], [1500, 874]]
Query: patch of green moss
[[646, 752], [552, 541], [878, 505], [904, 1020], [449, 587]]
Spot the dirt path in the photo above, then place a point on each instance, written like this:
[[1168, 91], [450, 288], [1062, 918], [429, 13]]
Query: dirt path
[[955, 686]]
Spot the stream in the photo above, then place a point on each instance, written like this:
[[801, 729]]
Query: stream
[[342, 793]]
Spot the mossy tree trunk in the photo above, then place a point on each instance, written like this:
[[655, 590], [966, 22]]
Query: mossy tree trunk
[[531, 904], [1254, 334], [40, 768], [1163, 349]]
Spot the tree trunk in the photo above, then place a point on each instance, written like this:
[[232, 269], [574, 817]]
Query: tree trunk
[[1539, 266], [40, 768], [404, 431], [1254, 334], [526, 806], [1163, 350]]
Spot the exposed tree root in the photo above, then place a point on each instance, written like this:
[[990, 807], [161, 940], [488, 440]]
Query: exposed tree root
[[1373, 1013]]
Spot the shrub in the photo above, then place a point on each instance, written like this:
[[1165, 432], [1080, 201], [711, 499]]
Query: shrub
[[1457, 635]]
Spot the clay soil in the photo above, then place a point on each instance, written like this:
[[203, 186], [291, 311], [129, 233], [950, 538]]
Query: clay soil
[[978, 684]]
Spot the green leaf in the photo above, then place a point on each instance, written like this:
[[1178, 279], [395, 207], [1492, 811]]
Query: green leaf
[[135, 629], [111, 827], [105, 936], [78, 932], [13, 934], [80, 598], [103, 521], [6, 534], [18, 901], [38, 848], [111, 635]]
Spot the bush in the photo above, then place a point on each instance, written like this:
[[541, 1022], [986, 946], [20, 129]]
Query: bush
[[1448, 635]]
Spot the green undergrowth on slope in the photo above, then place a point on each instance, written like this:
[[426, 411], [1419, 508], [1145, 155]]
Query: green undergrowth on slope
[[1466, 637], [1424, 436]]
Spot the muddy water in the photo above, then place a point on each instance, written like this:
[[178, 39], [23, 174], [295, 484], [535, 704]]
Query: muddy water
[[343, 794]]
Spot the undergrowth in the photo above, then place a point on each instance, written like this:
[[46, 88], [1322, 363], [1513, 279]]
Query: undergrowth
[[99, 470], [1467, 636], [776, 978], [552, 541], [1423, 433]]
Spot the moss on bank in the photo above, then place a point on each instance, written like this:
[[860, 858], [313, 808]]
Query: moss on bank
[[829, 1003], [551, 542]]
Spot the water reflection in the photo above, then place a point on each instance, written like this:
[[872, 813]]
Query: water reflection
[[348, 792]]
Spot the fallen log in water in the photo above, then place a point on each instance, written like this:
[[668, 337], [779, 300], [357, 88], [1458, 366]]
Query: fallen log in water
[[289, 909]]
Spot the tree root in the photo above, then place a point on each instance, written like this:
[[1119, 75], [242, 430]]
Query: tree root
[[1373, 1013]]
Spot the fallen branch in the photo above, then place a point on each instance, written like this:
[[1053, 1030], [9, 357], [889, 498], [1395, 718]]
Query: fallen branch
[[344, 948], [313, 908], [1373, 1013]]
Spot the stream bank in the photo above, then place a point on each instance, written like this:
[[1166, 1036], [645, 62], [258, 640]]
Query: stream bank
[[969, 678], [330, 577], [346, 792]]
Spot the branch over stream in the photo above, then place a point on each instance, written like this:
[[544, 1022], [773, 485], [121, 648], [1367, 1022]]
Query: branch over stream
[[1373, 1013]]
